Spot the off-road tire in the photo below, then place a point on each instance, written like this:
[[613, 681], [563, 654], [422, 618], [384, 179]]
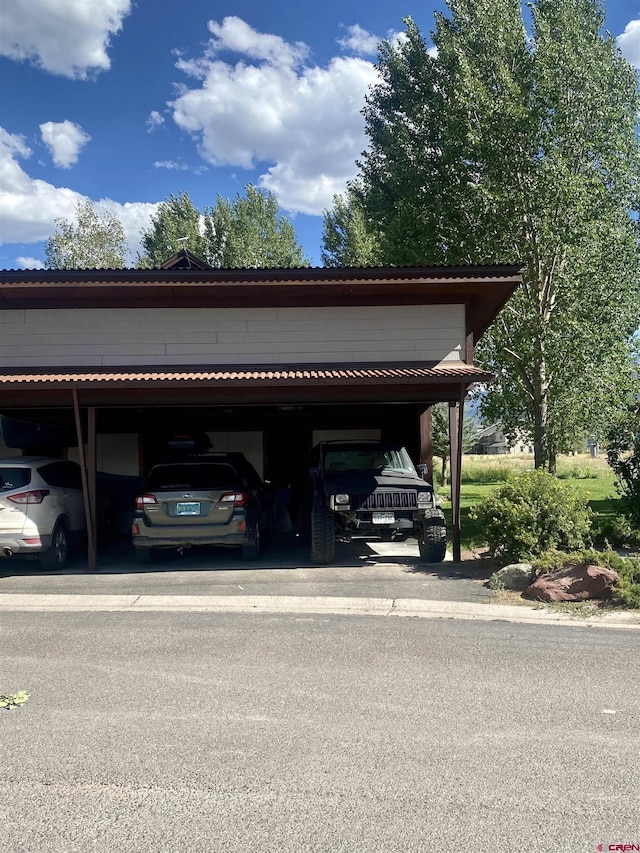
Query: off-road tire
[[55, 557], [252, 551], [145, 556], [432, 541], [323, 534]]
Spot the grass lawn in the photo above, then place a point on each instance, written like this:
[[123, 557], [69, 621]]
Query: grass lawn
[[481, 475]]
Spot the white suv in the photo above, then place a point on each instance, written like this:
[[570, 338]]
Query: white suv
[[41, 508]]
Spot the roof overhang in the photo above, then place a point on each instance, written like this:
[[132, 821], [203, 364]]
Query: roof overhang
[[482, 289]]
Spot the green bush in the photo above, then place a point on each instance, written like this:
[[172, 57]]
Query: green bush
[[627, 590], [532, 513]]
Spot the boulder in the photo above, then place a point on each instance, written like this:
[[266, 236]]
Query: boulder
[[515, 576], [574, 583]]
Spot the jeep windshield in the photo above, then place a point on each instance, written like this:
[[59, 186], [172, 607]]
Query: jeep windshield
[[368, 458]]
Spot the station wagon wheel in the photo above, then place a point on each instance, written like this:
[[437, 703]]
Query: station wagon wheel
[[252, 552], [145, 555], [55, 557], [432, 541], [323, 534]]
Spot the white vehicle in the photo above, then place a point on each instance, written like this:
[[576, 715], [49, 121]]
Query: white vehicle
[[41, 508]]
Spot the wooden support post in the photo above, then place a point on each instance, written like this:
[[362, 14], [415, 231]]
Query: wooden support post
[[456, 417], [92, 466], [426, 443], [88, 511]]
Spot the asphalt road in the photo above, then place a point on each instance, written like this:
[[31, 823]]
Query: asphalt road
[[282, 732]]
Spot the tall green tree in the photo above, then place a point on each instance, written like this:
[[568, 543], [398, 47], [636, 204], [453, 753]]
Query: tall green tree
[[347, 238], [92, 241], [250, 231], [175, 219], [518, 148]]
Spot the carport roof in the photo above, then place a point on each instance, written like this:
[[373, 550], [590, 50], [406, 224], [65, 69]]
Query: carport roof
[[313, 383]]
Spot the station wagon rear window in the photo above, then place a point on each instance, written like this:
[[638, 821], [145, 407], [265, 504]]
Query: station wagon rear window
[[192, 477]]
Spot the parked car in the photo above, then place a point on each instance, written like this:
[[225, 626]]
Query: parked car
[[214, 499], [371, 489], [41, 508]]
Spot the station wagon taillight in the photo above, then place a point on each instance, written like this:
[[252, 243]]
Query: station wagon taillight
[[238, 498], [145, 500], [33, 496]]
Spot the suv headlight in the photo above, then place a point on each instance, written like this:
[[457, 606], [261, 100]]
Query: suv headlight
[[340, 501], [424, 498]]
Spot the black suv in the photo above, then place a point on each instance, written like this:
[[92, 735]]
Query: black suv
[[371, 489]]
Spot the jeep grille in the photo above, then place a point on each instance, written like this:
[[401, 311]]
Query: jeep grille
[[385, 500]]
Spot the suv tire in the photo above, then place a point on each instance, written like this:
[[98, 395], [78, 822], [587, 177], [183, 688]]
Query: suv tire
[[55, 557], [323, 534], [432, 541]]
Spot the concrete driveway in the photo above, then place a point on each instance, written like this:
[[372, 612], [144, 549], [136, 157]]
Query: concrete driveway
[[362, 569]]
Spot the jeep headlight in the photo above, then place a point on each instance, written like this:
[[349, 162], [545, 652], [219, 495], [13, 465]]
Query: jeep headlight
[[424, 498], [340, 501]]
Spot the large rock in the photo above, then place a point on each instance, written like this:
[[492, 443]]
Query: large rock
[[515, 576], [575, 583]]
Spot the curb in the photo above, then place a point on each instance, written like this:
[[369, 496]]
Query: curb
[[319, 605]]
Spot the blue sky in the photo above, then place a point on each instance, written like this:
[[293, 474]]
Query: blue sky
[[126, 101]]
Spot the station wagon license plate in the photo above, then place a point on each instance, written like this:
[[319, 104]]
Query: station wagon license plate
[[383, 518], [192, 508]]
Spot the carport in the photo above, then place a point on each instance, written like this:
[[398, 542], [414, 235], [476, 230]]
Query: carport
[[283, 352]]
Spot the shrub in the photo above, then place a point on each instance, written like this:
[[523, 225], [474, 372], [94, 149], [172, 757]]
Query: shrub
[[533, 513]]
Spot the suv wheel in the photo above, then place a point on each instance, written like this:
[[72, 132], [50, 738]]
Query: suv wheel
[[55, 557], [323, 534], [252, 552], [432, 541]]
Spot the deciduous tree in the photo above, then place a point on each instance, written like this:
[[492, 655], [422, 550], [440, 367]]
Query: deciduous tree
[[347, 238], [92, 241], [518, 147]]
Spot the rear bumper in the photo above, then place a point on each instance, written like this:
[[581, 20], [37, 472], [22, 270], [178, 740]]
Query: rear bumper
[[169, 537], [18, 546]]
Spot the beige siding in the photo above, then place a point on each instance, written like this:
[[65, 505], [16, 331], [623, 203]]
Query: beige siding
[[117, 337]]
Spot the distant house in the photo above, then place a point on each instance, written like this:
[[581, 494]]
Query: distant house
[[491, 440]]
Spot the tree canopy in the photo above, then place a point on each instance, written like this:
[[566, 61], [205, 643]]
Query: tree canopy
[[347, 238], [509, 146], [92, 241], [246, 232]]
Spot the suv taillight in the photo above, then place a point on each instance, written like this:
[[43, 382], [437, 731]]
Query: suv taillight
[[34, 496], [238, 498], [144, 500]]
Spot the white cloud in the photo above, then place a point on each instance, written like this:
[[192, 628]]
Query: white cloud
[[29, 207], [29, 263], [154, 121], [629, 42], [66, 37], [359, 41], [304, 123], [170, 164], [65, 140], [234, 34]]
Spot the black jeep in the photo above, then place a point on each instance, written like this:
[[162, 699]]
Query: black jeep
[[371, 489]]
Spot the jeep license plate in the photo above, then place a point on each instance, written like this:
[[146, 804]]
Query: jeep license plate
[[383, 518], [188, 508]]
